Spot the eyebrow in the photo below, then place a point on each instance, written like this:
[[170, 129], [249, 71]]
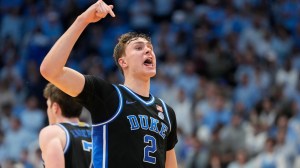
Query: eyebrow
[[140, 42]]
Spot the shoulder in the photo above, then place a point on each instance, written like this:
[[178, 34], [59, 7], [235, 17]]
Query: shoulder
[[91, 79], [160, 101], [51, 130], [172, 115], [96, 84], [50, 133], [169, 108], [93, 84]]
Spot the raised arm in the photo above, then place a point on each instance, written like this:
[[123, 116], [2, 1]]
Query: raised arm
[[53, 66]]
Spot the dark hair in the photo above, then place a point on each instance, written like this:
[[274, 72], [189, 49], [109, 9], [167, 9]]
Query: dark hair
[[123, 41], [69, 107]]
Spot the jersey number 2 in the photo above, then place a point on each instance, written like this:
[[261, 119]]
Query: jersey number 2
[[150, 148]]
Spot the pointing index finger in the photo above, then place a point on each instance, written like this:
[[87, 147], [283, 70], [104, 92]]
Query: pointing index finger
[[111, 11]]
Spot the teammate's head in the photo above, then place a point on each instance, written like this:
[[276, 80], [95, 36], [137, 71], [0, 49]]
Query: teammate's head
[[57, 99], [135, 49]]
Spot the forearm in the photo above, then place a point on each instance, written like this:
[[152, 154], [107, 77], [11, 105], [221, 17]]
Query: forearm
[[57, 57], [53, 66]]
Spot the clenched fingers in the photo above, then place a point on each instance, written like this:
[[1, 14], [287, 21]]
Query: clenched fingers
[[103, 9]]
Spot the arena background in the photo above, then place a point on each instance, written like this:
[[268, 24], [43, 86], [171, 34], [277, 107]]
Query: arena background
[[229, 68]]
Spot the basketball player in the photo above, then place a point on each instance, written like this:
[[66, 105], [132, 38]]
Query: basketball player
[[131, 127], [66, 142]]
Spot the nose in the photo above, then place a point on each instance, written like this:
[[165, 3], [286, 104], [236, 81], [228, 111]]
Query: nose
[[148, 49]]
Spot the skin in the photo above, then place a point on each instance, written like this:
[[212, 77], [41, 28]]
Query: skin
[[52, 139], [53, 66], [137, 74]]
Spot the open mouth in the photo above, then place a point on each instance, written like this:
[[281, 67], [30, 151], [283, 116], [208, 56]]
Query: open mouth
[[148, 62]]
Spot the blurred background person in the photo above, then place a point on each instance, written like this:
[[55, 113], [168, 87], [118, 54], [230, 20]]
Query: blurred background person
[[65, 142]]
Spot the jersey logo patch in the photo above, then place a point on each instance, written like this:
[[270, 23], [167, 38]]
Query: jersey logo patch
[[161, 115], [159, 108], [130, 102]]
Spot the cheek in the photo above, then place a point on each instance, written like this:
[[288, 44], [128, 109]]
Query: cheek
[[135, 61], [49, 112], [51, 118]]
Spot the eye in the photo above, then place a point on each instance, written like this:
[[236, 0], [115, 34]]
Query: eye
[[138, 48]]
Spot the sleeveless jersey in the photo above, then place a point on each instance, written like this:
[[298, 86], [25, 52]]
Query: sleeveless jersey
[[137, 135], [78, 148]]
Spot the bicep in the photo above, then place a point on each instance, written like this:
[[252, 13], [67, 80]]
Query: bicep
[[69, 81], [171, 161]]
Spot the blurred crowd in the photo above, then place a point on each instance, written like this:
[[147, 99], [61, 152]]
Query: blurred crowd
[[229, 68]]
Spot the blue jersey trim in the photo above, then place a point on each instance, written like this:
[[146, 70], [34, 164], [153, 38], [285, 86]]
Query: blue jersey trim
[[78, 124], [100, 147], [67, 137], [149, 102], [93, 152], [118, 110], [167, 113], [106, 136]]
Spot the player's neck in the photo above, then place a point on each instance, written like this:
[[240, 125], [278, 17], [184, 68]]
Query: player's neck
[[70, 120], [141, 87]]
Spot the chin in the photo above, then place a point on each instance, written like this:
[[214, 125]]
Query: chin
[[149, 74], [152, 74]]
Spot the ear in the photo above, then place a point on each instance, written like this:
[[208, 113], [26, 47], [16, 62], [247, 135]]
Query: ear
[[122, 62], [56, 108]]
